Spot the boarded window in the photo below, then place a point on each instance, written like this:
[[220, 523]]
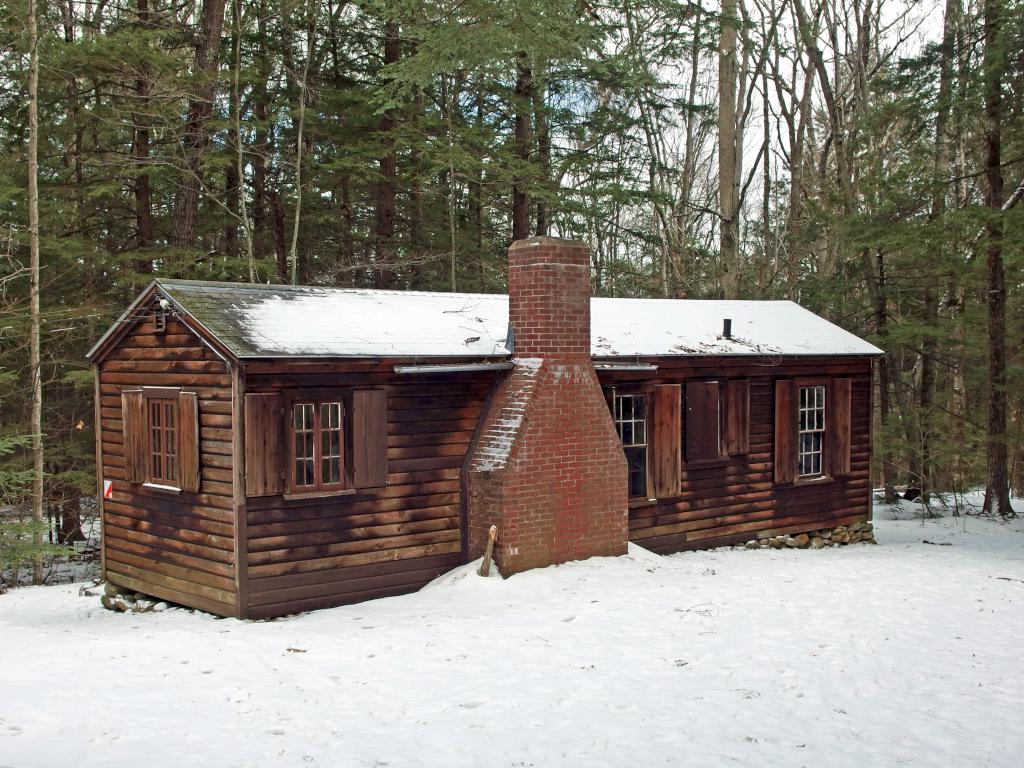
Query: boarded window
[[369, 438], [785, 432], [737, 417], [665, 440], [133, 424], [264, 444], [840, 427], [703, 421], [188, 441]]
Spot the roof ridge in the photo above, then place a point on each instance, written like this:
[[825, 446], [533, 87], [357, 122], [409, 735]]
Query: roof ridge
[[175, 282]]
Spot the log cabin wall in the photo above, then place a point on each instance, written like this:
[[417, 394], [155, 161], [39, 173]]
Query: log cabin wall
[[178, 546], [306, 553], [738, 499]]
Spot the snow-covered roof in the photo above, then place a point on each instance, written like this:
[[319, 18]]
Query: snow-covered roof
[[260, 321]]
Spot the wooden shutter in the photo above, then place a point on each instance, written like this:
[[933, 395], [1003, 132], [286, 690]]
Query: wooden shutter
[[188, 441], [665, 440], [840, 426], [737, 417], [369, 430], [266, 446], [785, 431], [703, 420], [133, 424]]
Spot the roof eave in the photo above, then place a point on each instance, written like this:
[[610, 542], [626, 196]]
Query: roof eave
[[118, 328]]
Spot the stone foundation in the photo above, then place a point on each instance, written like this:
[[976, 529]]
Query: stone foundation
[[124, 600], [853, 533]]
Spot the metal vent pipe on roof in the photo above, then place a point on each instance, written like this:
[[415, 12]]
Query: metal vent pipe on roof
[[727, 328]]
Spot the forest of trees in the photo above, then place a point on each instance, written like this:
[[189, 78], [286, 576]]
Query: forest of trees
[[862, 157]]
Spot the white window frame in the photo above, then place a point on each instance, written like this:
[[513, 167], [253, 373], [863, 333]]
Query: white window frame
[[811, 423], [637, 426]]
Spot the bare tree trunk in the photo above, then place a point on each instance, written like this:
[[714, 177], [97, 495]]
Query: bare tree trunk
[[385, 231], [476, 188], [74, 108], [884, 380], [35, 342], [280, 244], [293, 257], [145, 235], [728, 152], [930, 306], [520, 184], [236, 101], [451, 105], [200, 109], [418, 243], [262, 149], [997, 487], [540, 109]]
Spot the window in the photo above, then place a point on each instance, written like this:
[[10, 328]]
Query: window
[[814, 429], [811, 431], [163, 443], [717, 420], [318, 460], [315, 441], [161, 438], [630, 413]]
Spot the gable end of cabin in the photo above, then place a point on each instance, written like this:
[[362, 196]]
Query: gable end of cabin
[[165, 447]]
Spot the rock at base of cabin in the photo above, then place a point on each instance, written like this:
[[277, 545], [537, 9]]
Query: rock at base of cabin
[[119, 604], [855, 533], [113, 590]]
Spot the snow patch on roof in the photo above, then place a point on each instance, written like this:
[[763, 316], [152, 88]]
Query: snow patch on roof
[[377, 323], [296, 321]]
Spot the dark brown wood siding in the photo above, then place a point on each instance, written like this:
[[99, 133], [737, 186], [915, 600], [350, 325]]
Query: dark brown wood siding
[[316, 552], [177, 546], [738, 498]]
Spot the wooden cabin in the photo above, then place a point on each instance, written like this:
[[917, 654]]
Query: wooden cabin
[[266, 449]]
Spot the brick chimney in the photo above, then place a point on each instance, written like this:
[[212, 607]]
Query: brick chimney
[[547, 467]]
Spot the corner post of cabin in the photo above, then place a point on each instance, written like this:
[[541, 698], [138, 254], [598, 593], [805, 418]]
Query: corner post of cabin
[[238, 490], [98, 429]]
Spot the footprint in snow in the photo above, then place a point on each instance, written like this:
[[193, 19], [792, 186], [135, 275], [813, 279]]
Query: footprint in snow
[[472, 704], [276, 732], [568, 619]]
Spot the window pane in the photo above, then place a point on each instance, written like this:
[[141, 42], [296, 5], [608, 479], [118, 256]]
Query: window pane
[[639, 403]]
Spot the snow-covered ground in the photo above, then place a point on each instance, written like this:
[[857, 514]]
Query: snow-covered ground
[[903, 654]]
